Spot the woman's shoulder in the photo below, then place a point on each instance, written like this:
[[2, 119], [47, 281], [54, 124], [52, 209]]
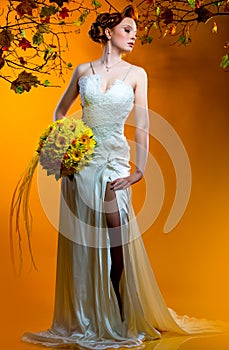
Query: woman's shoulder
[[139, 75], [82, 69], [139, 71]]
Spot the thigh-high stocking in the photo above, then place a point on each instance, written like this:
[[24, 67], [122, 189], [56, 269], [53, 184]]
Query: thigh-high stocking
[[113, 223]]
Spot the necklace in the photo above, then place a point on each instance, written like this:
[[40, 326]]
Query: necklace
[[109, 67]]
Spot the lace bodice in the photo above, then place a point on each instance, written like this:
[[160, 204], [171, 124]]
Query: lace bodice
[[105, 112]]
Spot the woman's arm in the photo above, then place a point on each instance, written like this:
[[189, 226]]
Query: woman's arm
[[141, 132], [68, 97], [142, 124]]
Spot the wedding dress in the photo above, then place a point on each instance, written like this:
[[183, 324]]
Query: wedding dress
[[86, 308]]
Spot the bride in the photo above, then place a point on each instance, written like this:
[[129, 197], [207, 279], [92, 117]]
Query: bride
[[106, 293]]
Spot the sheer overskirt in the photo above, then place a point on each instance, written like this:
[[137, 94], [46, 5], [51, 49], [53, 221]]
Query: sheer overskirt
[[86, 308]]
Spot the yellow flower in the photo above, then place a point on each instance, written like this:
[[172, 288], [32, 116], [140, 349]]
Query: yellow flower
[[69, 142], [76, 156], [84, 139]]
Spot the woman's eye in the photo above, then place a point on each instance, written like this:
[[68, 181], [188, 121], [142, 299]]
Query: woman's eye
[[127, 30]]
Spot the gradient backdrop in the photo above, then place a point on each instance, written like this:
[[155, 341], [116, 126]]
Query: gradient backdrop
[[187, 88]]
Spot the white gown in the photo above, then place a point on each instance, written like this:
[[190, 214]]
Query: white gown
[[86, 308]]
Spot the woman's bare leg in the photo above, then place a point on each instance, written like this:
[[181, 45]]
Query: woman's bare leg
[[113, 223]]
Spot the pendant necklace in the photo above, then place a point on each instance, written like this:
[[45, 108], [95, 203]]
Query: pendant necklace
[[109, 67]]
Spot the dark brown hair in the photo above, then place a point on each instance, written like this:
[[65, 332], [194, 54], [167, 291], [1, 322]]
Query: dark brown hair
[[110, 20]]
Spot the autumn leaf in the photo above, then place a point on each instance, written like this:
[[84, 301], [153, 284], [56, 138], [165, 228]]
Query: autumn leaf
[[82, 17], [224, 62], [184, 39], [158, 11], [192, 3], [58, 2], [22, 61], [6, 37], [48, 11], [43, 28], [24, 44], [64, 13], [96, 3], [203, 14], [38, 38], [46, 83], [19, 89], [23, 33], [145, 39], [226, 8], [214, 28], [172, 29], [167, 15], [24, 82], [26, 8], [2, 60]]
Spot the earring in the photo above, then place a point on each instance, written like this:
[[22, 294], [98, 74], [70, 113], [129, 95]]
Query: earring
[[108, 47]]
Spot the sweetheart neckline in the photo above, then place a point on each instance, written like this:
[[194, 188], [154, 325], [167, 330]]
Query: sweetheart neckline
[[110, 86]]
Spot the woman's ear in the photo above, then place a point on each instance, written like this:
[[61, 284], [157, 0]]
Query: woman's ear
[[108, 32]]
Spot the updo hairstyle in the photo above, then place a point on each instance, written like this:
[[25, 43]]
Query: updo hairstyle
[[109, 20]]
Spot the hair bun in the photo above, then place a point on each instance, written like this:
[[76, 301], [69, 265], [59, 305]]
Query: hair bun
[[103, 21], [109, 20], [96, 32]]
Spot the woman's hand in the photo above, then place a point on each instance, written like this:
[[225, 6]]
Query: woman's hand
[[124, 182]]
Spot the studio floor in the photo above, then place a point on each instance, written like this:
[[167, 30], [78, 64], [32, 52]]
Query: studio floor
[[207, 342]]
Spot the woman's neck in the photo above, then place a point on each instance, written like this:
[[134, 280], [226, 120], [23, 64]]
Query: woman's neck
[[110, 56]]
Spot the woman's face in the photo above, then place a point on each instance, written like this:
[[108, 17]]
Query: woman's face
[[123, 35]]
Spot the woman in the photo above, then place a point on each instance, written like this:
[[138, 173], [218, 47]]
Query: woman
[[106, 293]]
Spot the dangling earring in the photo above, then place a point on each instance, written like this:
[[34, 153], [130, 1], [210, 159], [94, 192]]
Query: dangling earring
[[109, 46], [107, 55]]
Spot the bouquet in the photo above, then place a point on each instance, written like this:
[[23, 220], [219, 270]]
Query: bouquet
[[65, 147]]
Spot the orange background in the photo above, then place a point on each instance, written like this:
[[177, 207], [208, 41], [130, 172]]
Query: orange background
[[186, 87]]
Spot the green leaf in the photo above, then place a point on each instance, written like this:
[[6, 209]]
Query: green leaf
[[77, 23], [23, 33], [224, 62], [181, 38], [158, 11], [46, 52], [48, 11], [83, 16], [155, 25], [43, 28], [38, 39], [145, 39], [96, 3], [217, 3], [47, 82], [19, 89], [6, 37], [192, 3], [184, 40]]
